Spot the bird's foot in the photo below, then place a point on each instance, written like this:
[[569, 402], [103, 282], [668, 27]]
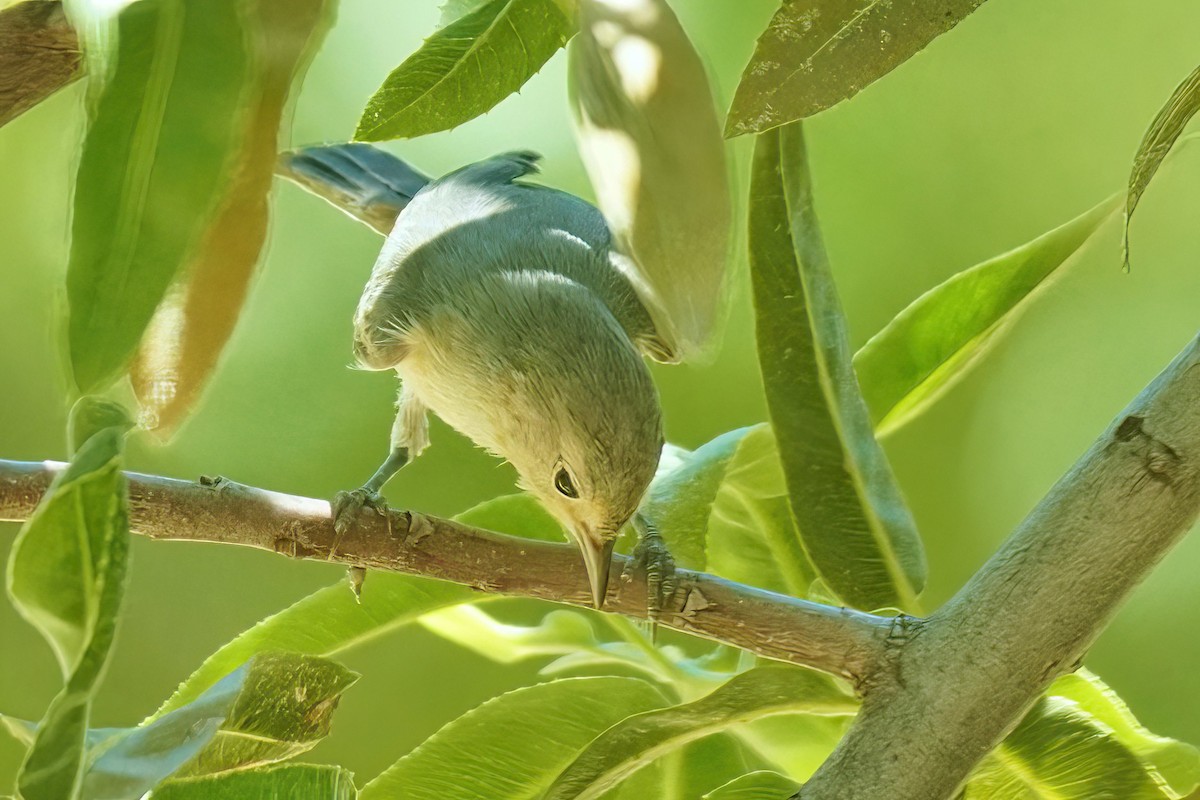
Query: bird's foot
[[652, 559], [347, 506]]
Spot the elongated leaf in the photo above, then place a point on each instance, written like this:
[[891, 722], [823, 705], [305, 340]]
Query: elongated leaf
[[760, 785], [325, 623], [1164, 130], [847, 506], [154, 164], [680, 500], [816, 53], [632, 743], [291, 781], [751, 535], [690, 772], [1177, 762], [512, 746], [330, 621], [128, 763], [1060, 752], [931, 344], [650, 138], [39, 54], [196, 318], [465, 69], [284, 709], [66, 576], [272, 708]]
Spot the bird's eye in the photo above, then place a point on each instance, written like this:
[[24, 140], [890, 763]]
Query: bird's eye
[[562, 482]]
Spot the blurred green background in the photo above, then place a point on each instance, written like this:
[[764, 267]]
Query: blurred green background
[[1024, 116]]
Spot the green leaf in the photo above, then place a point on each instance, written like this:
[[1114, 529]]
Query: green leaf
[[291, 781], [285, 709], [650, 138], [184, 340], [816, 53], [931, 344], [465, 69], [325, 623], [852, 519], [272, 708], [1060, 752], [1164, 130], [1177, 762], [330, 621], [760, 785], [751, 536], [632, 743], [154, 163], [511, 747], [690, 772], [680, 500], [129, 763], [66, 576]]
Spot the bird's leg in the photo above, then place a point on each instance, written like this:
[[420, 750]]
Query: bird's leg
[[652, 558], [410, 435]]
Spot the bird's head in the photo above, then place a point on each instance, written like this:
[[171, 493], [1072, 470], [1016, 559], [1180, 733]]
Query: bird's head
[[582, 422]]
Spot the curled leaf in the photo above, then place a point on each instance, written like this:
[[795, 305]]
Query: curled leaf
[[1164, 130]]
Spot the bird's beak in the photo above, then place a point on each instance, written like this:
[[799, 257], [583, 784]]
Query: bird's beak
[[597, 558]]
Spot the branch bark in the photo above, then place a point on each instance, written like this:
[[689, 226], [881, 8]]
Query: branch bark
[[39, 54], [955, 684], [839, 641]]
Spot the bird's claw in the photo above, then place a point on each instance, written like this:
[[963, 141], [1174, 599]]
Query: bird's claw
[[652, 559], [346, 507]]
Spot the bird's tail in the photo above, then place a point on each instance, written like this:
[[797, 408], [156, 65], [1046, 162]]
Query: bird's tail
[[368, 184]]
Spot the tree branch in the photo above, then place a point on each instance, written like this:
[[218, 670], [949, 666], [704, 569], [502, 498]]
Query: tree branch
[[958, 682], [39, 54], [839, 641]]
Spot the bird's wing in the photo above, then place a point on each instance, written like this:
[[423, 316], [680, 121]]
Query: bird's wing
[[650, 137], [367, 183]]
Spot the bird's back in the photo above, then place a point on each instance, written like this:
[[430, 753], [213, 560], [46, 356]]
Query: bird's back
[[478, 223]]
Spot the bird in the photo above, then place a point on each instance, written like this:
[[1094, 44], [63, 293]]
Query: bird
[[504, 308], [522, 315]]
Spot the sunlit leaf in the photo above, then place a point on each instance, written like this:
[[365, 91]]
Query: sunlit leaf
[[39, 54], [751, 536], [154, 165], [852, 519], [1164, 130], [760, 785], [1177, 762], [680, 500], [66, 576], [690, 772], [284, 709], [511, 747], [330, 621], [932, 343], [650, 138], [291, 781], [1060, 752], [466, 68], [639, 740], [816, 53], [185, 338]]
